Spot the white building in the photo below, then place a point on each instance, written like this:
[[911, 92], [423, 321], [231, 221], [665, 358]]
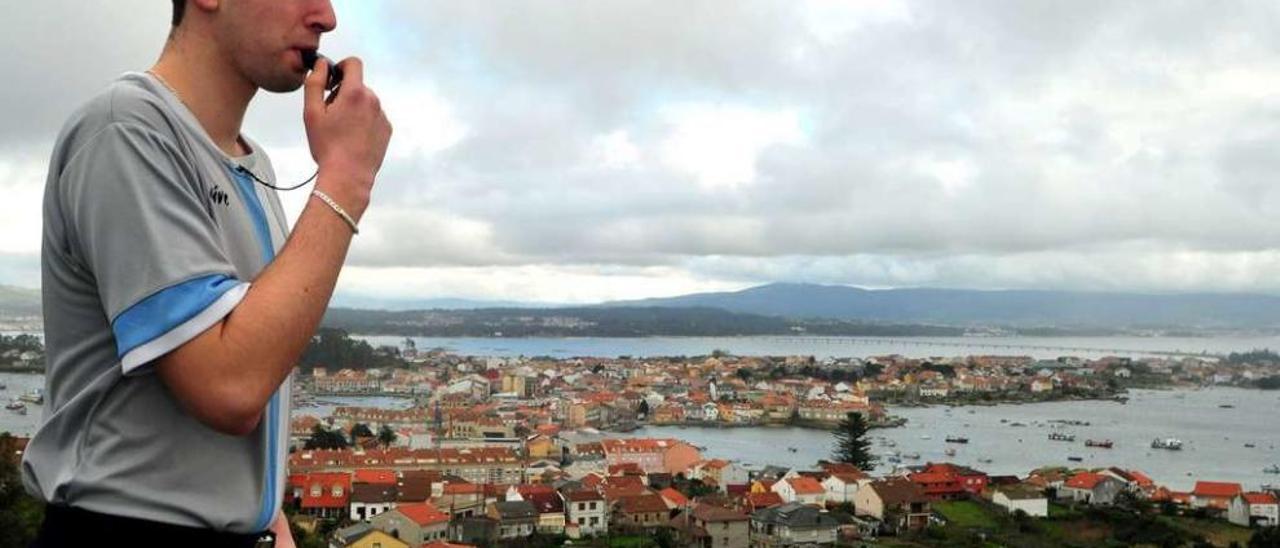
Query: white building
[[841, 487], [801, 489], [1033, 502], [586, 513], [1254, 509]]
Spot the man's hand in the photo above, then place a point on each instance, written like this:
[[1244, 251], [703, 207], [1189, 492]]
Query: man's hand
[[348, 137]]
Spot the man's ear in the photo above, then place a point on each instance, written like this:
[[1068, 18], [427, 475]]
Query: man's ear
[[206, 5]]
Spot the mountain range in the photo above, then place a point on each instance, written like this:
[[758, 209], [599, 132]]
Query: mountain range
[[972, 307]]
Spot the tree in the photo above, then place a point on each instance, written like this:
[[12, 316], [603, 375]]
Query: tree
[[386, 436], [323, 438], [1267, 537], [744, 374], [20, 513], [852, 445], [361, 430], [643, 409]]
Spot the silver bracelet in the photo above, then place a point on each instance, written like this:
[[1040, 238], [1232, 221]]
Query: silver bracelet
[[336, 209]]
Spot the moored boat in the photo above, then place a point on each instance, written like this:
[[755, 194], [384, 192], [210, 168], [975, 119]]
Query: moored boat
[[1059, 436], [1172, 444], [1105, 444], [957, 439]]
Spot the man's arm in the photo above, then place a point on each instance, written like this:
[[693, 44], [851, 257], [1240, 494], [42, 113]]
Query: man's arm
[[226, 375]]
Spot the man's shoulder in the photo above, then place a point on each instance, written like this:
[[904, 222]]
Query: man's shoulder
[[126, 102]]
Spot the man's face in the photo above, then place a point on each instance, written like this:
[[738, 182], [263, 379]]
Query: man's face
[[264, 38]]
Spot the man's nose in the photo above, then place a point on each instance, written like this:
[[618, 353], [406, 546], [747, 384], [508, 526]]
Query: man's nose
[[321, 18]]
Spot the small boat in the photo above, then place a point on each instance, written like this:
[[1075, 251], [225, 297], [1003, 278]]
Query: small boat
[[1172, 444], [894, 459], [791, 449], [1105, 444], [1075, 459], [35, 396], [15, 405], [925, 437], [911, 456], [1249, 445], [986, 460], [1017, 424], [1058, 436], [1273, 469], [1227, 406], [957, 439], [950, 452]]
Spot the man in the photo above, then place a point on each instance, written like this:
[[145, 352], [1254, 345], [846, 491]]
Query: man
[[176, 302]]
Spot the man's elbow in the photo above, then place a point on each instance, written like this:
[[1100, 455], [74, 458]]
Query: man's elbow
[[232, 423]]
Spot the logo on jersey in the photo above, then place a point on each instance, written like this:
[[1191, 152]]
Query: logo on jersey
[[219, 197]]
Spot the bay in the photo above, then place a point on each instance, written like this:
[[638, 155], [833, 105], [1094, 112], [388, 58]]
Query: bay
[[1214, 437]]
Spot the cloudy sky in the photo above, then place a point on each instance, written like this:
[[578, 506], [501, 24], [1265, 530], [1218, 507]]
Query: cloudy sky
[[576, 151]]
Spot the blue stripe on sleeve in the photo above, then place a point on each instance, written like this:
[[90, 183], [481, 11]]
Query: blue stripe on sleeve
[[166, 309]]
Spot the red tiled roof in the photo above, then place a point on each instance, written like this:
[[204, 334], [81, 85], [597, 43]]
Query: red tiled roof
[[674, 497], [423, 513], [326, 482], [375, 476], [806, 486], [1260, 498], [1216, 489], [764, 500], [638, 504], [1084, 480]]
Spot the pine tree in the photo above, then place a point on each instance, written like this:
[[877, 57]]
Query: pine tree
[[386, 436], [852, 445]]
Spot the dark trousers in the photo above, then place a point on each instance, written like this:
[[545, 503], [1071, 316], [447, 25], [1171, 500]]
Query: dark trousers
[[66, 526]]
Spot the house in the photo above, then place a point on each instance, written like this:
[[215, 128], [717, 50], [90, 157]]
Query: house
[[516, 519], [1254, 509], [1091, 488], [939, 486], [326, 494], [644, 511], [368, 500], [653, 455], [841, 486], [674, 499], [1025, 498], [802, 489], [760, 501], [363, 535], [968, 479], [416, 524], [710, 526], [1215, 495], [585, 513], [550, 509], [897, 502], [793, 524], [723, 473]]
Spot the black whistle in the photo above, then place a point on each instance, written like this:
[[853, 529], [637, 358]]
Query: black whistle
[[309, 57]]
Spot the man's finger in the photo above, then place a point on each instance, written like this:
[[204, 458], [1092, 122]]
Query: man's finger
[[352, 72], [313, 88]]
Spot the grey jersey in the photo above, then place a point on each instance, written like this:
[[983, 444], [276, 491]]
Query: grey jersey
[[151, 235]]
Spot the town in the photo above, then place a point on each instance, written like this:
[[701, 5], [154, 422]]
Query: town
[[499, 451]]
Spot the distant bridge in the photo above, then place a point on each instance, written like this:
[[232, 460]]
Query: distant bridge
[[978, 342]]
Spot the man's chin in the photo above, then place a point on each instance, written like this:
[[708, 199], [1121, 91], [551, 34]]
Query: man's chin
[[284, 84]]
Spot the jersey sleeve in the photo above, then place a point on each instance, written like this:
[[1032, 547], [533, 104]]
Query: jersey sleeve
[[146, 233]]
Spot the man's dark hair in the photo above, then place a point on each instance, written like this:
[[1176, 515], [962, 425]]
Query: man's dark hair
[[179, 6]]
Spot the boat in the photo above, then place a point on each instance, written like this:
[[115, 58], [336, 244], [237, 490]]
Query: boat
[[1249, 446], [951, 452], [957, 439], [925, 437], [1058, 436], [15, 405], [911, 456], [1172, 444], [1075, 459], [986, 460], [791, 449], [1227, 406], [35, 396], [1105, 444], [1273, 469], [1017, 424]]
